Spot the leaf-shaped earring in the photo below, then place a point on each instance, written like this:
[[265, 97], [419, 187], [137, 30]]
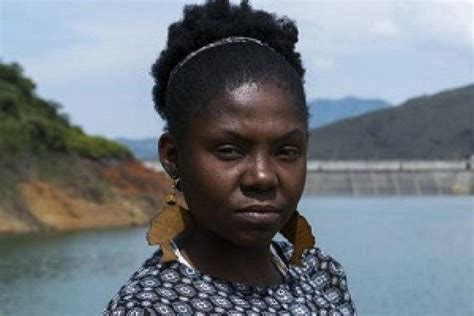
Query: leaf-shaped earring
[[170, 221], [298, 232]]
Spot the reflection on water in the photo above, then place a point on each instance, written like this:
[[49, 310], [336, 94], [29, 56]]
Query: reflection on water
[[66, 273], [403, 256], [54, 255]]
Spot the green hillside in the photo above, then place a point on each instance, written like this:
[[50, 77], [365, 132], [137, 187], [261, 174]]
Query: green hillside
[[439, 126], [55, 177], [38, 143], [31, 126]]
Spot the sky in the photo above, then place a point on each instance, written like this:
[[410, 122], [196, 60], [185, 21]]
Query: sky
[[94, 57]]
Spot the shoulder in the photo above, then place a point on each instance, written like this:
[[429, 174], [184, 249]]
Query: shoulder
[[324, 272], [313, 259]]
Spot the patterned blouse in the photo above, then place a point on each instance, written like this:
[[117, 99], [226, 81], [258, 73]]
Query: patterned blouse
[[173, 288]]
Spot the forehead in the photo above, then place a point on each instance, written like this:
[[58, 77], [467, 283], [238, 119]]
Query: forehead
[[250, 101]]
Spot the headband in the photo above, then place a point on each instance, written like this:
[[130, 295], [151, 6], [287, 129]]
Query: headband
[[222, 42]]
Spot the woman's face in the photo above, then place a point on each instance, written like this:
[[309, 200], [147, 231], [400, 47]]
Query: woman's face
[[242, 163]]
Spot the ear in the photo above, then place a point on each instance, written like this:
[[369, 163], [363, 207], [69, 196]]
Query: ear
[[167, 149]]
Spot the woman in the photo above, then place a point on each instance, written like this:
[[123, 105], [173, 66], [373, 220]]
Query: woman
[[230, 87]]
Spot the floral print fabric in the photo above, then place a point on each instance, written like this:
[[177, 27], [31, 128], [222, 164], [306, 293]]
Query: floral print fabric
[[317, 288]]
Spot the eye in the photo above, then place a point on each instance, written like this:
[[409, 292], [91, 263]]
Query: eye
[[229, 152], [288, 153]]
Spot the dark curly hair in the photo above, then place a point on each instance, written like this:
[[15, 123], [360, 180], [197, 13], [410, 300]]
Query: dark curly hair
[[224, 66]]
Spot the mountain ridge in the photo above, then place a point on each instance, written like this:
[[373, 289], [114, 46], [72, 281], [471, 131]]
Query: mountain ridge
[[325, 111], [437, 126]]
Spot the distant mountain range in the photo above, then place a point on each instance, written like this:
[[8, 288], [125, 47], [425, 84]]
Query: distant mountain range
[[323, 111], [326, 111], [439, 126], [143, 148]]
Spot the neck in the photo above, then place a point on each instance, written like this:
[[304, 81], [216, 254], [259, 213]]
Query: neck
[[221, 258]]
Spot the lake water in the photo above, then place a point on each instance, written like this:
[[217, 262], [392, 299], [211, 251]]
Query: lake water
[[402, 255]]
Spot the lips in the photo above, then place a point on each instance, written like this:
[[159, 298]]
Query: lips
[[259, 215]]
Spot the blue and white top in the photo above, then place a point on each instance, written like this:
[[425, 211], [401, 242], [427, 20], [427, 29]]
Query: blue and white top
[[319, 287]]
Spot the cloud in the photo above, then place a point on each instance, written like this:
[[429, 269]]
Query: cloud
[[323, 63], [338, 38], [385, 28], [445, 25], [340, 24], [115, 42], [329, 30], [99, 54]]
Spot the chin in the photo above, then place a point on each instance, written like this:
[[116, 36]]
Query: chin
[[254, 239]]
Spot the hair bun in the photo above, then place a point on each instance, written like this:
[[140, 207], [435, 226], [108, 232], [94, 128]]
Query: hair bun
[[216, 20]]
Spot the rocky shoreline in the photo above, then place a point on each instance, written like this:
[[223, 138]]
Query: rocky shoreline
[[134, 193]]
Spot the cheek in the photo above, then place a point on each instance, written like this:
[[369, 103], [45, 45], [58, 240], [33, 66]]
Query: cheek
[[207, 182], [293, 177]]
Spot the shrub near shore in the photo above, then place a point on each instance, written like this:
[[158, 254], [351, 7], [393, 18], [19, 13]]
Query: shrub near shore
[[55, 177]]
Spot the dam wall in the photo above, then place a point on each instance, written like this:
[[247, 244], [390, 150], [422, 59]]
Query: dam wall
[[384, 177], [390, 177]]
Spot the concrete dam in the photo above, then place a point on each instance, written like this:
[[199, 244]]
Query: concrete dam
[[384, 177]]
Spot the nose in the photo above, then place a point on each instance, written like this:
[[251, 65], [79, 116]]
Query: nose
[[260, 175]]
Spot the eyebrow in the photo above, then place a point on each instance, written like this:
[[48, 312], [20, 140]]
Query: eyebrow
[[297, 132]]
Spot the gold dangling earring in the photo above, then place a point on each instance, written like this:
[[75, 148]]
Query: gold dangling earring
[[170, 221], [298, 232]]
